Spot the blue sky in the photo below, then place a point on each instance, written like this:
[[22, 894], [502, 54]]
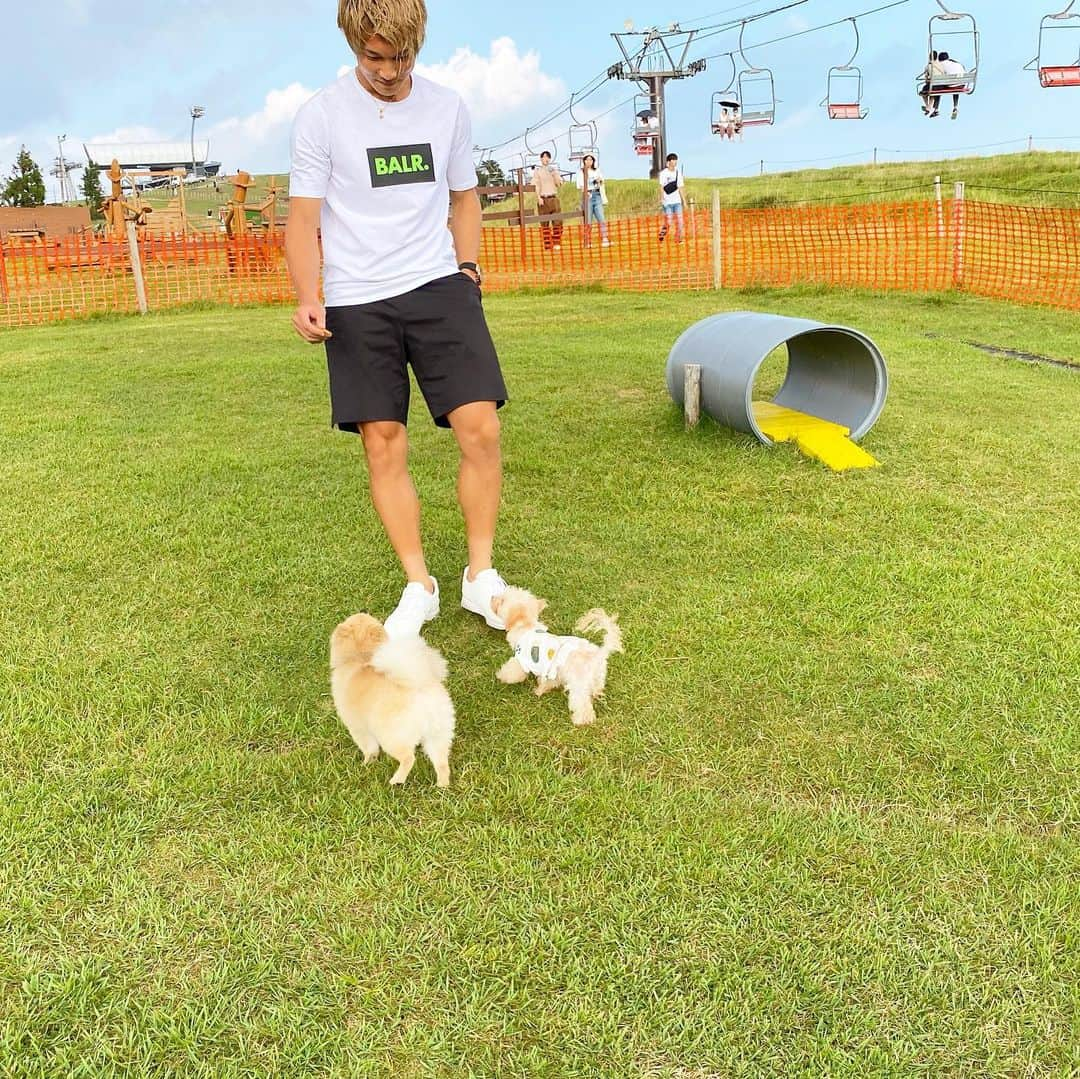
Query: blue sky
[[92, 70]]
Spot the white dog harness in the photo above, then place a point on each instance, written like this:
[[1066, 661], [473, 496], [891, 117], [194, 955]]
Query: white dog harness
[[543, 654]]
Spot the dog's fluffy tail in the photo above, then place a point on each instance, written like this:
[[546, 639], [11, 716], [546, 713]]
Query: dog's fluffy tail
[[598, 620], [409, 662]]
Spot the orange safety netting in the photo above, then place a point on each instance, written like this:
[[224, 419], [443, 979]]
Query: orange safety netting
[[1021, 253], [1024, 254], [636, 259], [51, 279], [906, 245]]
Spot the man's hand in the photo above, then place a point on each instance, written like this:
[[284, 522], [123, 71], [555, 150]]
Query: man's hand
[[309, 321]]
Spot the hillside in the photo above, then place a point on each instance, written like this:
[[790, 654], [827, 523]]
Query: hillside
[[1039, 179]]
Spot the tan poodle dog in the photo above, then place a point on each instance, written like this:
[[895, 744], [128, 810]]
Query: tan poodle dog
[[570, 663], [392, 695]]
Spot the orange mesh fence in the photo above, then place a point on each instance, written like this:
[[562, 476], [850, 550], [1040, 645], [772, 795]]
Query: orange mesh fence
[[905, 245], [1024, 254], [47, 280], [51, 279], [634, 257], [1021, 253]]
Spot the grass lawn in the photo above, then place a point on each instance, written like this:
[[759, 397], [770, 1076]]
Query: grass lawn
[[826, 823]]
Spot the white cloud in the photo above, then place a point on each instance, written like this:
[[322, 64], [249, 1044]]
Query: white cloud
[[494, 86], [499, 84], [259, 142]]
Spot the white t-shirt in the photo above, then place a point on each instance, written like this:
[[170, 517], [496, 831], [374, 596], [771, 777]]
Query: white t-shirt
[[385, 184], [543, 654], [951, 67], [665, 177]]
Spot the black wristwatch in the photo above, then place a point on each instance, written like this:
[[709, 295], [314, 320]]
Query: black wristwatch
[[474, 268]]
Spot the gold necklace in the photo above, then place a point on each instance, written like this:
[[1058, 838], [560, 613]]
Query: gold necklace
[[378, 104]]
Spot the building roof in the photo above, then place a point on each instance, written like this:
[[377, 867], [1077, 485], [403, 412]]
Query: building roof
[[144, 155]]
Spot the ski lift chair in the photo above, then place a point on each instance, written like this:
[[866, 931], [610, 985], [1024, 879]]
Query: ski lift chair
[[940, 35], [1056, 75], [721, 100], [756, 90], [646, 125], [844, 88], [583, 141]]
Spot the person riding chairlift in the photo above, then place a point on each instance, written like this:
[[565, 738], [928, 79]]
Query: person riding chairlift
[[941, 72]]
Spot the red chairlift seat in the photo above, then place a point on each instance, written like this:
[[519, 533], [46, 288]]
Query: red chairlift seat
[[851, 111], [1051, 28], [1059, 76]]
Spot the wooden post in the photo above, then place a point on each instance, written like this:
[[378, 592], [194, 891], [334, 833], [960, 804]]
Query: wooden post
[[136, 267], [717, 243], [692, 394], [958, 245], [521, 213]]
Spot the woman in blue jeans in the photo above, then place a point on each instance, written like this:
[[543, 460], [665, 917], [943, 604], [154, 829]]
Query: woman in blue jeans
[[594, 198]]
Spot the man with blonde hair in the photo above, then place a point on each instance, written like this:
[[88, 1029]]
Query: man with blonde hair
[[377, 157]]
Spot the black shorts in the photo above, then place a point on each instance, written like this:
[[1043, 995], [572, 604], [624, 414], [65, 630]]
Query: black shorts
[[438, 328]]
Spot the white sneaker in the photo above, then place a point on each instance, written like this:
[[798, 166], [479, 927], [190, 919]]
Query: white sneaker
[[476, 595], [557, 247], [416, 606]]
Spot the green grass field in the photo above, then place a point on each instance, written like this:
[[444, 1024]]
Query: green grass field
[[826, 824]]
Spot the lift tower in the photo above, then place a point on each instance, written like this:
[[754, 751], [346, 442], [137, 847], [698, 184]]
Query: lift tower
[[650, 58]]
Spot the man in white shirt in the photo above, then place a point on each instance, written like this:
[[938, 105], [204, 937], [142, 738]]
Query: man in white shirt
[[377, 157], [950, 70], [671, 196]]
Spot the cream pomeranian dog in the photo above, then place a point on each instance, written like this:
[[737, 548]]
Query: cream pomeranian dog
[[570, 663], [391, 694]]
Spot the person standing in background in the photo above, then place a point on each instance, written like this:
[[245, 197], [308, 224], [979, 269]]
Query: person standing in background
[[593, 199], [547, 180], [671, 196]]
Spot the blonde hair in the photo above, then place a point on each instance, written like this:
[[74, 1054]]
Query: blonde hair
[[402, 22]]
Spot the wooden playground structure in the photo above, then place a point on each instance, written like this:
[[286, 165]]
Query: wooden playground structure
[[236, 218]]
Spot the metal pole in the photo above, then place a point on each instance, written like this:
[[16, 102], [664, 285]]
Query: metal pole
[[717, 243], [197, 112], [958, 253], [940, 208], [656, 98]]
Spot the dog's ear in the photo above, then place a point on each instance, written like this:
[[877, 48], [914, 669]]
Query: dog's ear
[[369, 636]]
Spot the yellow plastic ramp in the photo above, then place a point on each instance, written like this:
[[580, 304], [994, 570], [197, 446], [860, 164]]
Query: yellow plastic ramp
[[821, 439]]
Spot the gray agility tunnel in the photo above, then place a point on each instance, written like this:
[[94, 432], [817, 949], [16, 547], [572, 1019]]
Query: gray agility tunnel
[[833, 372]]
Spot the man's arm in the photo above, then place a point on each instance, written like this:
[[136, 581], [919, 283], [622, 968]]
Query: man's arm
[[465, 224], [302, 258]]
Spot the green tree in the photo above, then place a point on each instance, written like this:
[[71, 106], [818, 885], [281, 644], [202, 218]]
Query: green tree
[[91, 188], [489, 173], [25, 186]]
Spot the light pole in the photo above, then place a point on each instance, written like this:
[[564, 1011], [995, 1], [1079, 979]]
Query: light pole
[[61, 172], [196, 112]]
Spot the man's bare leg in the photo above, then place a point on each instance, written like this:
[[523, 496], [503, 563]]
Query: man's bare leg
[[386, 446], [476, 427]]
